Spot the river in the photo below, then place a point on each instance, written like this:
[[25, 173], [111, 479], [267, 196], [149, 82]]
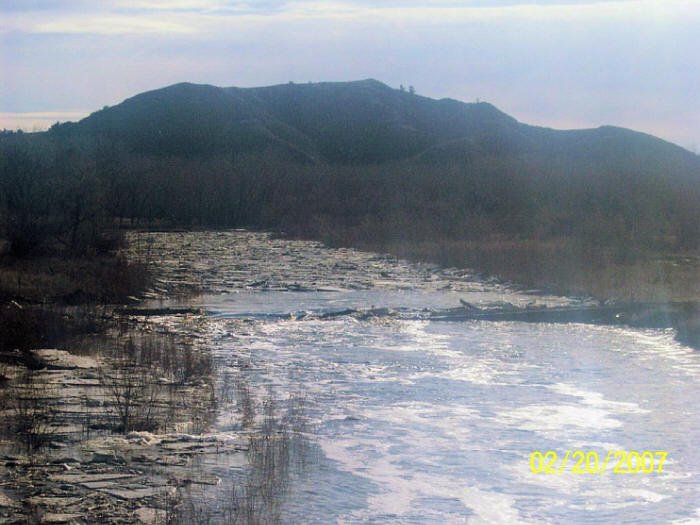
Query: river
[[411, 420]]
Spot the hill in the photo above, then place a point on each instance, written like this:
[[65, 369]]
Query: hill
[[509, 169], [358, 122], [345, 122]]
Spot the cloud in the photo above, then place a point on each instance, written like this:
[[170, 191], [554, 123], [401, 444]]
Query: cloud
[[111, 25], [182, 16], [170, 5], [38, 121]]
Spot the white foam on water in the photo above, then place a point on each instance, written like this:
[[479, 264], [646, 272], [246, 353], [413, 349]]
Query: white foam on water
[[596, 399], [615, 497], [692, 520], [478, 371], [653, 346], [567, 421], [429, 424], [399, 448], [422, 341], [399, 488], [559, 421]]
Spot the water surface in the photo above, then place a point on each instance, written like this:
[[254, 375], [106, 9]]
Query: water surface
[[420, 421]]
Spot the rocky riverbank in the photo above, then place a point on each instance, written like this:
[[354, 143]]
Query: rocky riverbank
[[122, 428]]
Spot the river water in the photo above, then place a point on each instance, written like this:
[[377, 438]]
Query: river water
[[419, 421]]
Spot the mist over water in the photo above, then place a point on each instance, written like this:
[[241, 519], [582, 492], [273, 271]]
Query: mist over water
[[419, 421]]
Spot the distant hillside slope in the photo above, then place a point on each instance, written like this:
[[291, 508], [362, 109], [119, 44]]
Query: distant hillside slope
[[362, 122]]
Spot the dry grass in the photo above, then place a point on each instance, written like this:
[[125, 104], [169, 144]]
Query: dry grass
[[564, 267], [31, 414], [27, 327], [70, 280], [45, 301], [148, 377]]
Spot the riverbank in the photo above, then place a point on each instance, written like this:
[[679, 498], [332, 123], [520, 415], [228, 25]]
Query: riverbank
[[109, 415], [565, 267], [46, 299], [666, 284]]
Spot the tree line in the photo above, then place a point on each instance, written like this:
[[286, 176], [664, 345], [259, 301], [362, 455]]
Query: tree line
[[72, 194]]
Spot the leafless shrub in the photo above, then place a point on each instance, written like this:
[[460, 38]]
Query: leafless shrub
[[31, 414], [153, 380], [244, 403], [4, 374], [166, 355], [133, 394], [274, 451], [257, 496], [191, 365], [226, 388]]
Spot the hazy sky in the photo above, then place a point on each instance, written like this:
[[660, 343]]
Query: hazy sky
[[559, 63]]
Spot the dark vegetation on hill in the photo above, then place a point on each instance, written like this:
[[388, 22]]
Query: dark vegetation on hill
[[358, 163]]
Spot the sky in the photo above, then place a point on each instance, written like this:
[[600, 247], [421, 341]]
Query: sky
[[558, 63]]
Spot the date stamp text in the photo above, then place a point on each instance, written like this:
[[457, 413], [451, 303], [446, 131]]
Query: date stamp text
[[590, 462]]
